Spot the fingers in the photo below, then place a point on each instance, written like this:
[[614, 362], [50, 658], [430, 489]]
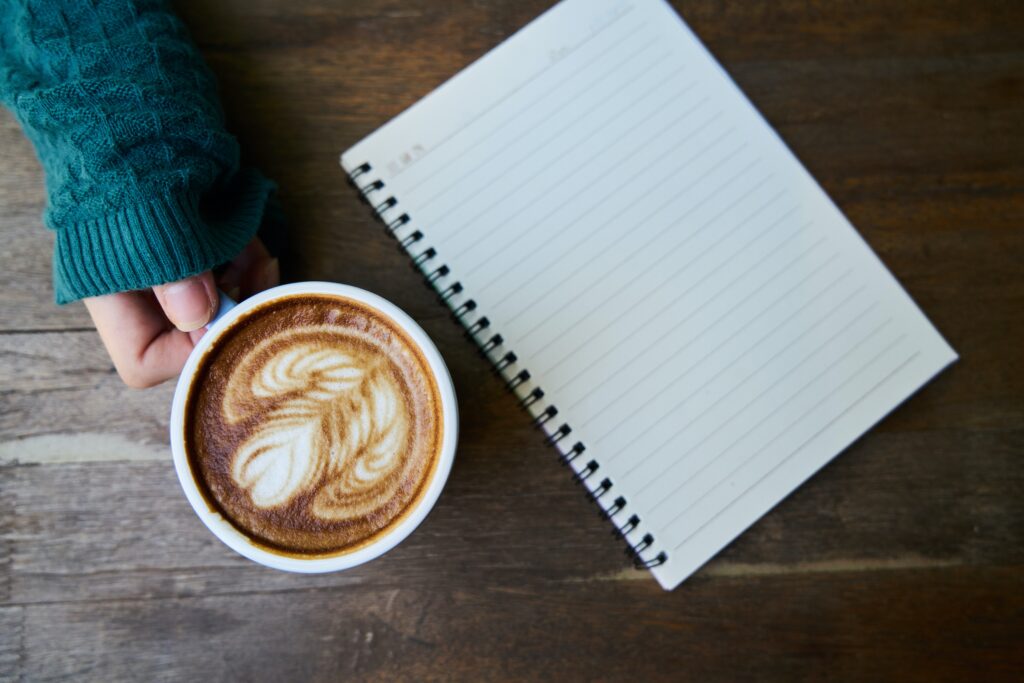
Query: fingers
[[250, 272], [190, 303], [145, 348], [138, 328]]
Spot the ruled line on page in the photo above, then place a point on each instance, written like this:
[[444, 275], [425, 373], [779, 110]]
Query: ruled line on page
[[745, 353], [699, 362], [676, 380], [530, 155], [572, 51], [641, 271], [655, 419], [833, 391], [593, 164], [738, 497], [543, 322], [781, 403], [815, 405], [657, 453], [673, 222], [515, 191], [551, 188], [625, 289], [783, 376], [494, 156], [568, 201], [785, 347], [672, 198], [681, 296], [615, 61], [594, 415]]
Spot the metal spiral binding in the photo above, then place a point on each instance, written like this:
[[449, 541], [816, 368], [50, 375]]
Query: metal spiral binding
[[464, 310]]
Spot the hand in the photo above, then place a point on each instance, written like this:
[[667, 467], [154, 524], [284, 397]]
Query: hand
[[150, 333]]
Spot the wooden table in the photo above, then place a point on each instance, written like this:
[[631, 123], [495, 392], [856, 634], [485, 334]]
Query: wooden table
[[903, 560]]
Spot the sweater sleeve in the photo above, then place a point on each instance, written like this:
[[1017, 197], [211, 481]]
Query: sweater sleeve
[[144, 184]]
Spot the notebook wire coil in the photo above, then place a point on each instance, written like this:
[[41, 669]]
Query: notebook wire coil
[[640, 547]]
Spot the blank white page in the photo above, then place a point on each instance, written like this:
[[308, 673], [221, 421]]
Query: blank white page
[[709, 327]]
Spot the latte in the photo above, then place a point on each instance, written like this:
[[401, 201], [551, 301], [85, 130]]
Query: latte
[[314, 425]]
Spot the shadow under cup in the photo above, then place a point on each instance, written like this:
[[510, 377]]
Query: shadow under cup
[[299, 482]]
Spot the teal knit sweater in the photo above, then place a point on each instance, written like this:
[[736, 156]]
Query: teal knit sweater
[[144, 183]]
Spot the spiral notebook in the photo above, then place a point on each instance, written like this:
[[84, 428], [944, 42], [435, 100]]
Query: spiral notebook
[[677, 304]]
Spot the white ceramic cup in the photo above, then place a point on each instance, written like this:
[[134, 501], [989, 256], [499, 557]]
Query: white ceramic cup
[[236, 539]]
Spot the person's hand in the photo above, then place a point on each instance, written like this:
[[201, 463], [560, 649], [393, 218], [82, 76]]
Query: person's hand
[[150, 333]]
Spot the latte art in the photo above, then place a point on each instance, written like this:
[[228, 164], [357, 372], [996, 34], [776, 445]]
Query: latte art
[[339, 420], [316, 425]]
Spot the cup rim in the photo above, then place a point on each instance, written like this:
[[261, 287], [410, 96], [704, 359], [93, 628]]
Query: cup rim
[[236, 539]]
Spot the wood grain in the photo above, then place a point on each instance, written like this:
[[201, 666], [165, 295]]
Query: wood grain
[[82, 549], [865, 627], [902, 560]]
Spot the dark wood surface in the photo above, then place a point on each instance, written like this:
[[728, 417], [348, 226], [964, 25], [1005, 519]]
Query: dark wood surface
[[903, 560]]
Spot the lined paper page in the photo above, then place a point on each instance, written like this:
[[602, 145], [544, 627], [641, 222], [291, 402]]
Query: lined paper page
[[706, 322]]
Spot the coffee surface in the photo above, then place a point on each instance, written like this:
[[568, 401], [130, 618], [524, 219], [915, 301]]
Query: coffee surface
[[313, 425]]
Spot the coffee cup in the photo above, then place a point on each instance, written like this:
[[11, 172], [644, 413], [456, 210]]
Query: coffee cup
[[184, 424]]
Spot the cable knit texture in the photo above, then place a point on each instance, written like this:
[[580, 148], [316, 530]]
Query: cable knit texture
[[144, 183]]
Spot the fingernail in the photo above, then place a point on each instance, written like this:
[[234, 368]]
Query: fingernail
[[188, 304]]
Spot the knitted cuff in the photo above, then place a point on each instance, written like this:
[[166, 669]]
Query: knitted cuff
[[159, 240]]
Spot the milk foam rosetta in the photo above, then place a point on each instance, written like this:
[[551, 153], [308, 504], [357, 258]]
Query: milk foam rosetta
[[319, 430], [341, 420]]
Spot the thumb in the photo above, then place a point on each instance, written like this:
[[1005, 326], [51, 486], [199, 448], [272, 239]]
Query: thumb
[[190, 303]]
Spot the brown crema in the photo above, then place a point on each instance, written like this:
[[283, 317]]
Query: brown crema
[[314, 425]]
